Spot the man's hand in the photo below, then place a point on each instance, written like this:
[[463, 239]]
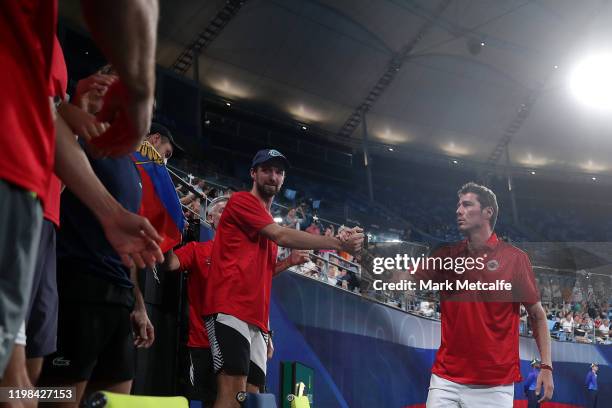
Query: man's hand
[[90, 91], [351, 239], [133, 237], [298, 257], [142, 329], [270, 348], [82, 123], [545, 383]]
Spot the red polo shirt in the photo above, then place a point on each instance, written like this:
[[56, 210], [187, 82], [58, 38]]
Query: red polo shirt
[[27, 29], [243, 262], [58, 82], [480, 339], [195, 258]]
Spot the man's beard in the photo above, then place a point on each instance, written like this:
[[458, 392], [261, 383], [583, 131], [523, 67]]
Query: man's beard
[[266, 190]]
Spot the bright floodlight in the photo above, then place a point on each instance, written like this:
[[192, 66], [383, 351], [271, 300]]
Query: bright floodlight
[[591, 81]]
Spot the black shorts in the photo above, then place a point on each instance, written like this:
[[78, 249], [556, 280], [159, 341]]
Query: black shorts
[[41, 320], [201, 376], [94, 343], [238, 348], [94, 338]]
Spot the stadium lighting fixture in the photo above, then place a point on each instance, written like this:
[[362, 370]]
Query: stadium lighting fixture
[[532, 173], [390, 149], [278, 219], [591, 82], [304, 127], [228, 104], [594, 178], [455, 162]]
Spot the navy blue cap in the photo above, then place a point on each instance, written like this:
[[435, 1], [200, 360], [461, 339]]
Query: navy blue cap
[[267, 155], [163, 131]]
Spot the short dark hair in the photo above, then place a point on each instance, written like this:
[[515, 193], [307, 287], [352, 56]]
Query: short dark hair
[[486, 198]]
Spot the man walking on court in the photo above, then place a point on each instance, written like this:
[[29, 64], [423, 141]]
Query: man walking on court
[[478, 361]]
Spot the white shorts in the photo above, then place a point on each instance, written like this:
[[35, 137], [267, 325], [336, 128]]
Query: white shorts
[[447, 394]]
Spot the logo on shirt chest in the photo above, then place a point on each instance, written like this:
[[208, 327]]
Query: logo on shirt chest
[[493, 265]]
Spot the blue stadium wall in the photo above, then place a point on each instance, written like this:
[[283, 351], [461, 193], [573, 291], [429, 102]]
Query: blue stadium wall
[[366, 354]]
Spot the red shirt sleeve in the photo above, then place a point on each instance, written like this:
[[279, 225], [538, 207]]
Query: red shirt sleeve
[[187, 255], [247, 212], [524, 285], [58, 80]]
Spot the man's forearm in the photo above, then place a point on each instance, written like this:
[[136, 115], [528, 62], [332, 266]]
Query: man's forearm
[[126, 32], [290, 238], [540, 333], [139, 299], [73, 168]]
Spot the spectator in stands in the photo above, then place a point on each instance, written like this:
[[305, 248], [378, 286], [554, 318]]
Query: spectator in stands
[[333, 272], [291, 220], [598, 320], [426, 309], [192, 213], [604, 327], [587, 324], [162, 141], [197, 192], [567, 324], [523, 320], [199, 185], [314, 228]]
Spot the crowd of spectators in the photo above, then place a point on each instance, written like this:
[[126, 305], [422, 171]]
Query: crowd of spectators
[[583, 322]]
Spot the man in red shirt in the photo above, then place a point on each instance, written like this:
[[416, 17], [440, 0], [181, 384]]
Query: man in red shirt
[[478, 360], [195, 258], [237, 300]]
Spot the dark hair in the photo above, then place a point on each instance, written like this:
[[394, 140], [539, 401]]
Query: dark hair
[[486, 198]]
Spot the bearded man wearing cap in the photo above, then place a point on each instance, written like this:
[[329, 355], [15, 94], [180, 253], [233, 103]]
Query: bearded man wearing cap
[[243, 262]]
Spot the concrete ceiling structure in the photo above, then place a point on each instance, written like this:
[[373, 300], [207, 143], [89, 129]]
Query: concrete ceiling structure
[[459, 85]]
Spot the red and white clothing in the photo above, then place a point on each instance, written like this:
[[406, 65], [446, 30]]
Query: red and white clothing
[[480, 339], [243, 263], [27, 29], [195, 257]]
